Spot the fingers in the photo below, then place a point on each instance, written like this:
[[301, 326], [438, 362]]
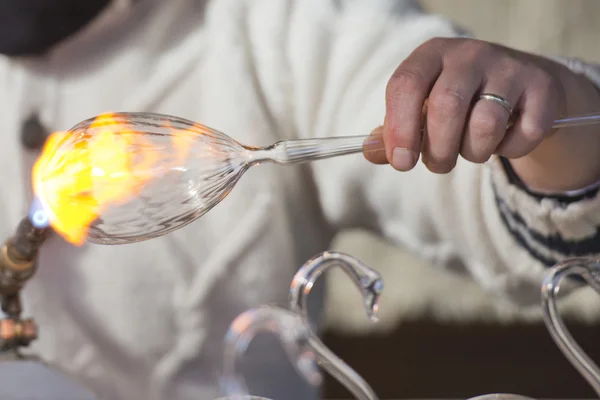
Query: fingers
[[374, 148], [448, 75], [405, 96], [536, 112], [448, 108], [489, 119]]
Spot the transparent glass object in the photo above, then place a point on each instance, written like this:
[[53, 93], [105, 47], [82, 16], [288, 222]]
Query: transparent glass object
[[589, 270], [305, 350], [157, 173], [287, 326], [146, 174], [301, 343], [501, 396], [368, 282]]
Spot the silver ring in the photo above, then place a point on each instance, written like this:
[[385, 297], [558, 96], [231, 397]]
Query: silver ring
[[503, 102]]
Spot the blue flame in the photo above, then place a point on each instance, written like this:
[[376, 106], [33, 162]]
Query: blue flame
[[38, 215]]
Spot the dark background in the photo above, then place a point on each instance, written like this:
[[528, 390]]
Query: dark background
[[423, 359]]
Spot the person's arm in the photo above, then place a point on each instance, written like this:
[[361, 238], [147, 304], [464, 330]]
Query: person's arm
[[567, 159], [333, 80]]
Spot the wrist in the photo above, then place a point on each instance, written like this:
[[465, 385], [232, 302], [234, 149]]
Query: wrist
[[568, 159]]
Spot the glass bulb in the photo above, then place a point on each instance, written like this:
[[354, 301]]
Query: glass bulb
[[125, 177]]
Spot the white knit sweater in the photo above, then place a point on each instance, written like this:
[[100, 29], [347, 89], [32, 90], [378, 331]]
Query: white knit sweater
[[146, 321]]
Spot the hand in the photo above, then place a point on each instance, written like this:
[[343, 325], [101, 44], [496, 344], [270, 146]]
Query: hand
[[450, 74]]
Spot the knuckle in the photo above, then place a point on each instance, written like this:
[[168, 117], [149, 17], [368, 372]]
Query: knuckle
[[435, 43], [533, 131], [448, 104], [545, 79], [546, 83], [478, 49], [405, 81], [511, 69]]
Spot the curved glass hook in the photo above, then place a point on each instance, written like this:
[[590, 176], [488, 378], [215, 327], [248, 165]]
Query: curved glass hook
[[589, 270], [501, 396], [370, 284], [290, 329]]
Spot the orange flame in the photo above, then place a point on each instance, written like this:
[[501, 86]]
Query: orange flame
[[77, 180]]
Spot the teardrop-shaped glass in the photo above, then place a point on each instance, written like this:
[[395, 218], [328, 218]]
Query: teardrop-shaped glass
[[124, 178]]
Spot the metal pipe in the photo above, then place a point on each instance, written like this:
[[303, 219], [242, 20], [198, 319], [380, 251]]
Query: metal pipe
[[18, 256], [28, 239], [18, 263]]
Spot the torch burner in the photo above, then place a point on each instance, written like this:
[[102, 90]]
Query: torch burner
[[18, 263]]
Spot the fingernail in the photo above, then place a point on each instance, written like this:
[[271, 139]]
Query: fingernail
[[403, 159]]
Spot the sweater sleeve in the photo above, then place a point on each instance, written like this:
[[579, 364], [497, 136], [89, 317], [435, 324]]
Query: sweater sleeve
[[551, 227], [339, 56]]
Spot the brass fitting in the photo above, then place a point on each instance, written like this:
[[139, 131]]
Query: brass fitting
[[15, 270], [18, 263], [17, 333]]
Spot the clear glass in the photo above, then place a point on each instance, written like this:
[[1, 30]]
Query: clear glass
[[589, 270], [370, 284], [126, 177], [501, 396], [290, 329]]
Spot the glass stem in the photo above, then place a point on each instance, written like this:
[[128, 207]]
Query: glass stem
[[577, 120], [303, 150]]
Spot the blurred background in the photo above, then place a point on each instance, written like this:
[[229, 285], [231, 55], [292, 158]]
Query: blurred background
[[440, 335]]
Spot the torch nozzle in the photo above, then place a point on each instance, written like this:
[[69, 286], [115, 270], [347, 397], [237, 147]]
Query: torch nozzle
[[27, 240], [18, 256]]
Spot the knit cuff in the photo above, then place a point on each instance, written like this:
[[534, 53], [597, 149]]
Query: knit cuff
[[570, 196], [550, 227]]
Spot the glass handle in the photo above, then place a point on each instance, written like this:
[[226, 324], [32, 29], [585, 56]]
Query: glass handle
[[589, 270], [368, 282], [577, 120], [284, 324], [304, 150]]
